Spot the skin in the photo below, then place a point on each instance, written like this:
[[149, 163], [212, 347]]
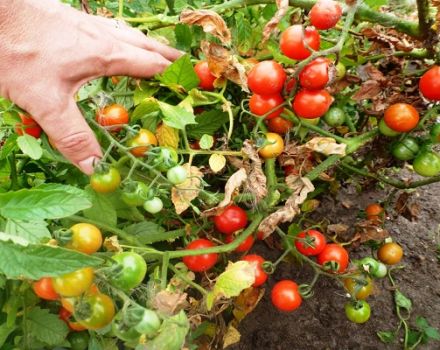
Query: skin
[[49, 50]]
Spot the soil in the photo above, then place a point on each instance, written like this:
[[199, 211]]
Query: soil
[[320, 322]]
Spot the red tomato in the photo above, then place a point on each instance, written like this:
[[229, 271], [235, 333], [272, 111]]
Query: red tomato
[[243, 247], [374, 212], [325, 14], [310, 242], [266, 78], [285, 296], [315, 76], [66, 316], [200, 263], [311, 104], [429, 84], [232, 219], [334, 257], [205, 76], [290, 170], [28, 126], [260, 275], [279, 125], [262, 104], [260, 235], [293, 38], [401, 117], [44, 289], [112, 116], [291, 84]]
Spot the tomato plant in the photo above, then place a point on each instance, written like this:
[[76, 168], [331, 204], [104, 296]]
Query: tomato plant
[[112, 116], [358, 312], [310, 242], [375, 212], [43, 288], [427, 163], [325, 14], [231, 219], [406, 149], [359, 286], [205, 76], [429, 84], [73, 284], [135, 193], [296, 40], [335, 117], [266, 78], [312, 104], [263, 104], [274, 146], [334, 258], [279, 125], [260, 274], [285, 296], [315, 76], [130, 270], [390, 253], [86, 238], [153, 205], [401, 117], [99, 312], [106, 180], [142, 142], [202, 262], [176, 175]]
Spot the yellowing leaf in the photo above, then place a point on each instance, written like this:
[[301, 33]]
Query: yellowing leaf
[[111, 244], [326, 145], [217, 162], [167, 136], [184, 193], [232, 336]]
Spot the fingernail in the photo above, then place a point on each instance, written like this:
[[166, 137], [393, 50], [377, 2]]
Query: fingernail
[[87, 165]]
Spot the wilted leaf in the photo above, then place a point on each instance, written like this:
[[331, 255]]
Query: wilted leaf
[[184, 193], [309, 205], [217, 162], [298, 156], [404, 207], [367, 231], [256, 181], [326, 145], [169, 302], [232, 336], [210, 21], [111, 244], [337, 229], [368, 90], [167, 136], [246, 302], [283, 6]]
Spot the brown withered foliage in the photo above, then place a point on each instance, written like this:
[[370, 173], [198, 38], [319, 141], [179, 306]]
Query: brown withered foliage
[[210, 21], [256, 180], [271, 26], [297, 156], [367, 230], [407, 208]]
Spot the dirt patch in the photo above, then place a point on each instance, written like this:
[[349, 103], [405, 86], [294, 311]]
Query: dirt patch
[[320, 322]]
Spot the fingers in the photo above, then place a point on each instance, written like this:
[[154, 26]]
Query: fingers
[[72, 136]]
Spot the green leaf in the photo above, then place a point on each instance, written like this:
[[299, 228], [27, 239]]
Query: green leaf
[[102, 207], [386, 337], [31, 231], [123, 210], [375, 4], [39, 203], [5, 331], [402, 301], [181, 72], [207, 123], [149, 232], [9, 145], [143, 91], [183, 36], [36, 261], [176, 116], [30, 146], [428, 331], [145, 109], [230, 283], [206, 141], [46, 327]]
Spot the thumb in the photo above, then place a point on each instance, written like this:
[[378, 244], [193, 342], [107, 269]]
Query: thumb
[[72, 136]]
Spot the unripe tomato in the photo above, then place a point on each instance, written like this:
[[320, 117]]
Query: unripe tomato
[[177, 174], [154, 205], [285, 296], [279, 125], [43, 288], [310, 242], [375, 212], [340, 71], [79, 341], [28, 126], [67, 317], [203, 262], [243, 247], [101, 311], [315, 75], [113, 115], [142, 142], [359, 286], [427, 164], [231, 219], [266, 78], [369, 265], [358, 312], [335, 117], [166, 159], [262, 104], [385, 130], [435, 133], [107, 181], [260, 275], [274, 146], [130, 270], [406, 149], [334, 258], [312, 104], [86, 238], [135, 193], [74, 283], [429, 84], [325, 14], [401, 117], [293, 38], [390, 253], [205, 76], [381, 271]]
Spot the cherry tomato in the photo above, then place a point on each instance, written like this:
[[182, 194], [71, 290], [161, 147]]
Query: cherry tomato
[[113, 116], [230, 220], [142, 142], [262, 104], [375, 212], [340, 71], [149, 323], [435, 133], [274, 146], [205, 76], [73, 284], [279, 125], [101, 311], [203, 262], [359, 286], [130, 270], [121, 331], [177, 174], [335, 117], [358, 311], [427, 163], [312, 104], [260, 275], [401, 117], [67, 317], [43, 288], [390, 253], [385, 130], [285, 296], [429, 84], [166, 159], [406, 149], [28, 126], [381, 271], [107, 181], [266, 78], [369, 265], [86, 238], [325, 14], [154, 205], [79, 341], [69, 302], [310, 242], [135, 193], [315, 75], [293, 38], [334, 258], [243, 247]]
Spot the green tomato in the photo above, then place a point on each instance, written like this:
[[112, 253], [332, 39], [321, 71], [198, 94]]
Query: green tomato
[[369, 264], [123, 332], [130, 270], [435, 133], [176, 175], [386, 130], [79, 340], [381, 271], [340, 71], [153, 206], [135, 194], [165, 159], [427, 164], [406, 149], [149, 324], [358, 312], [105, 181], [335, 117]]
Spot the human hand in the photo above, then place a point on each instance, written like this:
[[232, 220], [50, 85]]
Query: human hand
[[49, 50]]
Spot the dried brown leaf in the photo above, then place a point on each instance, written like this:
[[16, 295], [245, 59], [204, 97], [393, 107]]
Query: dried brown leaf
[[406, 208], [271, 26], [210, 21], [256, 181], [326, 145], [339, 230], [111, 244], [368, 90], [170, 302], [232, 336], [368, 230], [184, 193], [246, 302]]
